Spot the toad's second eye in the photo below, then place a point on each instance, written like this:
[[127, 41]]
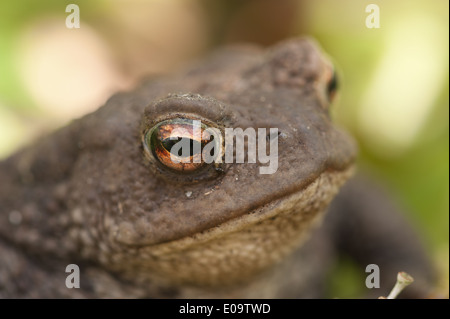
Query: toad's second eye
[[332, 86], [181, 144]]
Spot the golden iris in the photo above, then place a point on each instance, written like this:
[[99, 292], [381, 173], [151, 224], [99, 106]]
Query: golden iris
[[178, 143]]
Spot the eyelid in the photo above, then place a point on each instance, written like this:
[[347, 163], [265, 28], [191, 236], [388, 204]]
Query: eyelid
[[206, 109]]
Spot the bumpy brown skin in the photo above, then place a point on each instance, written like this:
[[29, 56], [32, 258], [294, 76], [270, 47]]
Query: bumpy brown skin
[[88, 195]]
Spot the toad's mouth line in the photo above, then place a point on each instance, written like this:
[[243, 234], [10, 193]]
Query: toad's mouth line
[[320, 191]]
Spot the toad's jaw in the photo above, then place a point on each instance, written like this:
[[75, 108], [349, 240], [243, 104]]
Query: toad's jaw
[[240, 247]]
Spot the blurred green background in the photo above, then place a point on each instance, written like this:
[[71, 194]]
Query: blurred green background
[[394, 95]]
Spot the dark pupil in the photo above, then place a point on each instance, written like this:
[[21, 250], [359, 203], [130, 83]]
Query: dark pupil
[[332, 84], [169, 143]]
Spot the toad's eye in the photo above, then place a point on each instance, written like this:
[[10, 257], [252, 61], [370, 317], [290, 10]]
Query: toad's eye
[[182, 144], [332, 86]]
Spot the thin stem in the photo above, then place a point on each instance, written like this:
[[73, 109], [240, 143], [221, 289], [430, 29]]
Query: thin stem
[[403, 280]]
